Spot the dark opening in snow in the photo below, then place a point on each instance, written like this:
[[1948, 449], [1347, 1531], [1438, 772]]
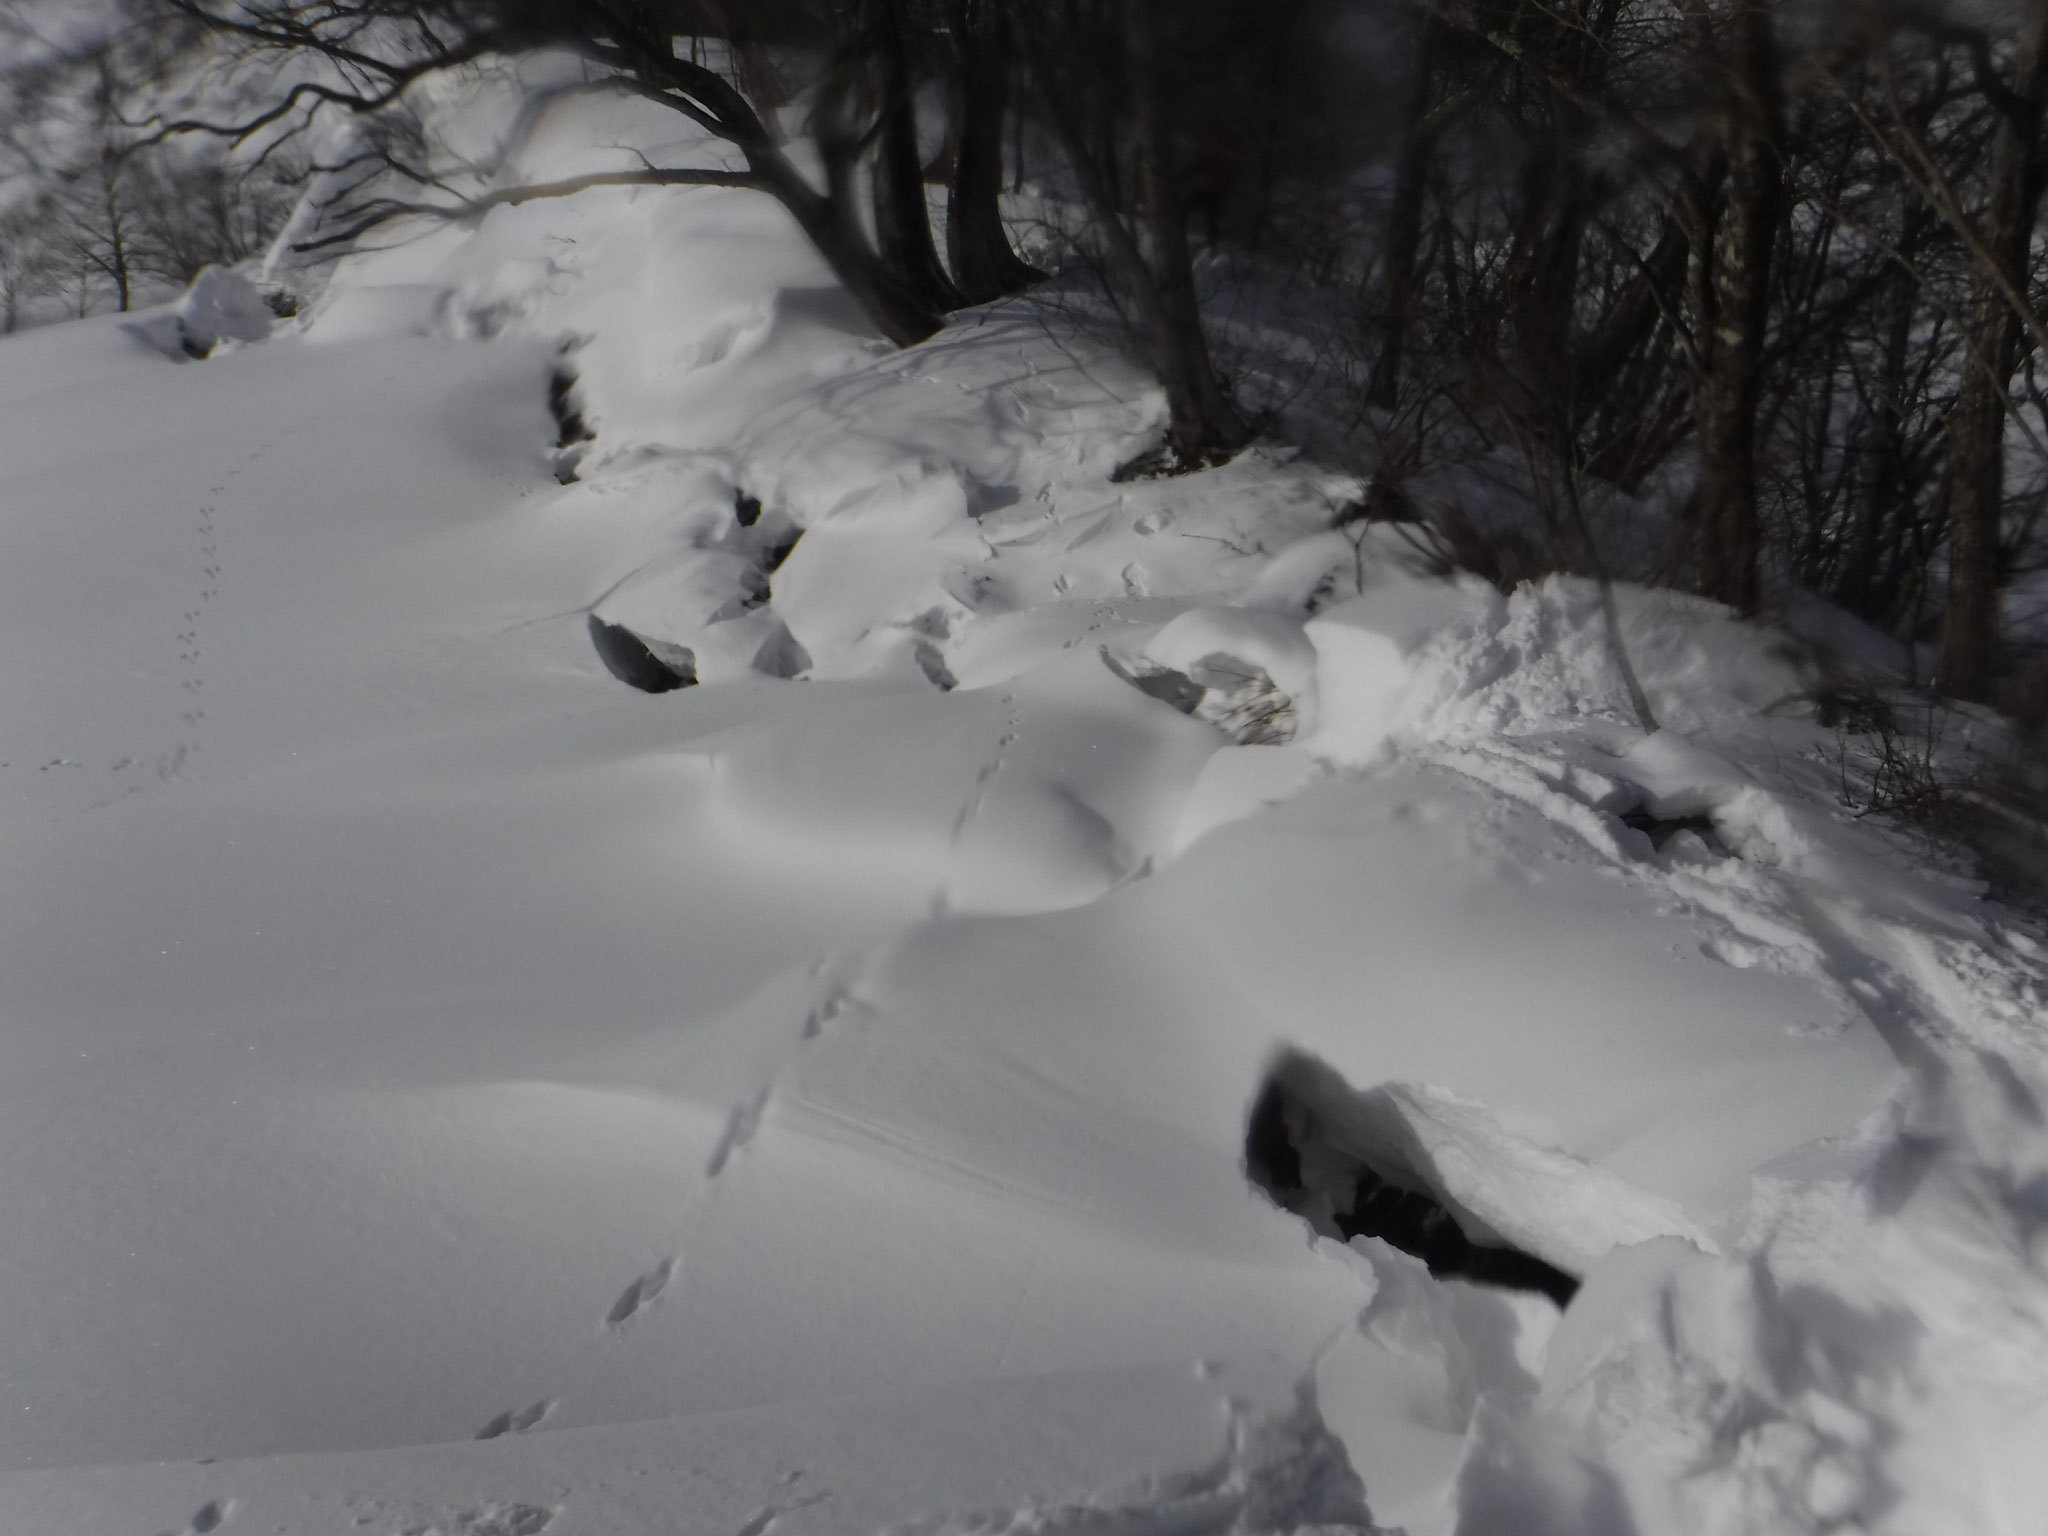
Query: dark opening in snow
[[570, 427], [633, 662], [778, 550], [1161, 683], [1304, 1148], [746, 508], [1661, 829]]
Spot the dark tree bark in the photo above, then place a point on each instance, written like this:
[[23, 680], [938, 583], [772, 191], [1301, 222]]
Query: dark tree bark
[[1205, 426], [984, 265], [1148, 251], [1976, 429], [903, 228], [761, 82], [1404, 224], [116, 260], [1885, 495], [634, 42], [1732, 300]]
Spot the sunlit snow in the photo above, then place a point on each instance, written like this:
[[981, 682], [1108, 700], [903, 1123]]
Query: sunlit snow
[[448, 1090]]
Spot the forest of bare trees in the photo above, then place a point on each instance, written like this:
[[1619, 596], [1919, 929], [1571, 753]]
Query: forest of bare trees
[[1734, 296]]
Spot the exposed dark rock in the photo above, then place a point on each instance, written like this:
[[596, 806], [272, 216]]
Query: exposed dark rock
[[632, 661]]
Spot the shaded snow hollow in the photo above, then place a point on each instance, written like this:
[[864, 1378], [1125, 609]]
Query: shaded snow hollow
[[451, 1091]]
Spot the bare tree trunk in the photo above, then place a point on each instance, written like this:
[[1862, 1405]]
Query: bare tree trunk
[[116, 262], [1976, 429], [1205, 425], [984, 265], [829, 220], [1885, 498], [903, 227], [903, 316], [1732, 294], [760, 82], [1404, 226]]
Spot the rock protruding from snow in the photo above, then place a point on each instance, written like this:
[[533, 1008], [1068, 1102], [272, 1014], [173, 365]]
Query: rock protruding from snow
[[635, 662], [1257, 671]]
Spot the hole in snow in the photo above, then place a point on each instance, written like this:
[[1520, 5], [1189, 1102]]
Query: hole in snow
[[1161, 683], [1662, 829], [746, 508], [779, 551], [570, 426], [932, 661], [983, 498], [640, 1295], [1333, 1156], [637, 663], [519, 1421]]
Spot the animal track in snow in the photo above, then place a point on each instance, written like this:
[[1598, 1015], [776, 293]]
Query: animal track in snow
[[210, 1517], [170, 764], [740, 1127], [486, 1520], [640, 1295], [517, 1421], [834, 1004], [763, 1520], [970, 808]]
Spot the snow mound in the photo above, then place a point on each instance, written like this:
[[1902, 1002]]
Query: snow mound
[[1037, 796], [222, 305]]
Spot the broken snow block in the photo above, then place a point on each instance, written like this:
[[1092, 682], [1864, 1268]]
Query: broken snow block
[[637, 663]]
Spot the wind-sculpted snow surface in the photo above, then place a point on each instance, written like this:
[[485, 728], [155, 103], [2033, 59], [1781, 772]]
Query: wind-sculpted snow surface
[[451, 1091]]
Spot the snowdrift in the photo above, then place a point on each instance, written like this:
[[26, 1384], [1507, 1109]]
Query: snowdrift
[[452, 1090]]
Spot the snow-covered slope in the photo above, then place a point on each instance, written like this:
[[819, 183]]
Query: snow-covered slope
[[818, 1098]]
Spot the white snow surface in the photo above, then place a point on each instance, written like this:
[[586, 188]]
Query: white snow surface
[[449, 1091]]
